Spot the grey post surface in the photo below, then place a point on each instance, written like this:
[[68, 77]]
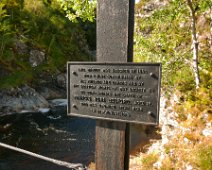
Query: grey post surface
[[114, 44]]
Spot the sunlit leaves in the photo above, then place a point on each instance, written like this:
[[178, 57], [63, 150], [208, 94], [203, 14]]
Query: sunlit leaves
[[39, 25], [4, 26], [164, 35], [79, 9]]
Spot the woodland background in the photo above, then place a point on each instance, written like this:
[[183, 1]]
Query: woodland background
[[38, 37]]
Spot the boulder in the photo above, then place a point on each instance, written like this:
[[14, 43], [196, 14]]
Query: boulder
[[21, 47], [50, 92], [61, 80], [21, 99], [36, 57]]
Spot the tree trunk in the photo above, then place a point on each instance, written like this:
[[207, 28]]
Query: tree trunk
[[194, 44]]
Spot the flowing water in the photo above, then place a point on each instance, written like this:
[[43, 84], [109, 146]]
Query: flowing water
[[53, 135], [57, 136]]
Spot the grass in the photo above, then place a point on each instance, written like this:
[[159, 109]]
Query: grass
[[149, 160], [187, 147], [204, 156], [40, 25]]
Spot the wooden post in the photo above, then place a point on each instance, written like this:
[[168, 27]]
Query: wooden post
[[115, 20]]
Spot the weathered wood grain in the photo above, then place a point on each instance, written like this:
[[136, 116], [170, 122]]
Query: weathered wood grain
[[115, 23], [114, 44]]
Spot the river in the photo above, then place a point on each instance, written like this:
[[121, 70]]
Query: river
[[57, 136], [54, 135]]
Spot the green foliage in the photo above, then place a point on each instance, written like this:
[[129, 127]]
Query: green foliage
[[41, 25], [164, 35], [201, 5], [79, 9], [149, 160], [205, 157], [5, 29], [16, 78], [3, 14]]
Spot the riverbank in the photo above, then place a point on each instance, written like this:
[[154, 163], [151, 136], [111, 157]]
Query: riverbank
[[54, 135], [27, 99], [183, 129], [186, 137]]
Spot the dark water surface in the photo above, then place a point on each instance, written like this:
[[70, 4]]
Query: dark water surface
[[54, 135]]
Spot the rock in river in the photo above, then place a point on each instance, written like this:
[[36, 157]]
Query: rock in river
[[21, 99]]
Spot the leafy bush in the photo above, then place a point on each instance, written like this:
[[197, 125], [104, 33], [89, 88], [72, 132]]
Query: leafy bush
[[40, 25], [164, 35]]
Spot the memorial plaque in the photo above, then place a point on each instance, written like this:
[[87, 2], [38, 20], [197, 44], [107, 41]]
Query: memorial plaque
[[127, 92]]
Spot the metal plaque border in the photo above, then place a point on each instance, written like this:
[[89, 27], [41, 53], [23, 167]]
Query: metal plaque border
[[113, 64]]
